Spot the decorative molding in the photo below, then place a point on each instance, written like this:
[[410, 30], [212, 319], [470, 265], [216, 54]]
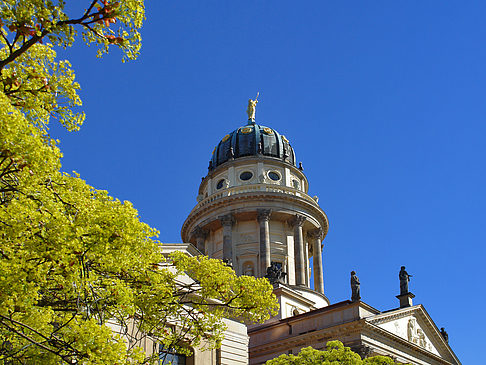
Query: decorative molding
[[392, 317], [315, 233], [297, 221], [206, 209], [199, 232], [227, 220], [263, 214]]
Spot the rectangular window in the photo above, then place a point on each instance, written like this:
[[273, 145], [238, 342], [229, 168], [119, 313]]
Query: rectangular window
[[169, 356]]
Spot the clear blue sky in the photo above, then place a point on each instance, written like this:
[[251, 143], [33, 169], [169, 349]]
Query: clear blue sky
[[383, 102]]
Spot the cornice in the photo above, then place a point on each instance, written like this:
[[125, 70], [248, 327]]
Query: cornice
[[387, 316], [307, 338], [167, 248], [257, 196]]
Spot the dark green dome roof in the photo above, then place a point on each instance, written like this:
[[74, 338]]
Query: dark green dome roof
[[252, 140]]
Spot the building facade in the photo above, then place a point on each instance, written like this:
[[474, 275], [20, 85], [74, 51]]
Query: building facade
[[253, 212]]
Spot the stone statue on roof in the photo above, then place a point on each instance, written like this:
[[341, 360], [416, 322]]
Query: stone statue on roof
[[404, 277], [355, 287]]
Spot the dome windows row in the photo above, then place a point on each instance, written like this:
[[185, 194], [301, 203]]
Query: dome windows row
[[248, 176], [245, 177]]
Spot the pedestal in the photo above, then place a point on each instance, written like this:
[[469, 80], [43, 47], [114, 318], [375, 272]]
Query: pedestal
[[405, 299]]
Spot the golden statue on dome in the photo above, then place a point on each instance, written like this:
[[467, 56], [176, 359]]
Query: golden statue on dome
[[251, 108]]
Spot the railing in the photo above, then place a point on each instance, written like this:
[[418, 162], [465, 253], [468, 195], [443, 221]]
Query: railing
[[253, 188]]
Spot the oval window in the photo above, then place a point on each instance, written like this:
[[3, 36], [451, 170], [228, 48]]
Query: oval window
[[220, 184], [274, 176], [245, 176]]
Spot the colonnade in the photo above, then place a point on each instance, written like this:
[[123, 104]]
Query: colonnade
[[314, 238]]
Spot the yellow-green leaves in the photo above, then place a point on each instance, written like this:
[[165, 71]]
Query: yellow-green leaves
[[335, 353], [42, 88], [102, 22], [219, 287], [82, 279]]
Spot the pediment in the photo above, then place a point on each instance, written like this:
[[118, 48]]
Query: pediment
[[415, 326], [412, 329]]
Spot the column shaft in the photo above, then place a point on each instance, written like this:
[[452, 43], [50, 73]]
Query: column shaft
[[306, 263], [263, 216], [297, 223], [227, 222], [316, 236], [200, 235]]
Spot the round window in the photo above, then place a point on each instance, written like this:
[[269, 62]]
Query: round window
[[220, 184], [274, 176], [247, 175]]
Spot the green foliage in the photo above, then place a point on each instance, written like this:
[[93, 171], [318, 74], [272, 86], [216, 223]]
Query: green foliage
[[82, 279], [335, 354], [103, 23]]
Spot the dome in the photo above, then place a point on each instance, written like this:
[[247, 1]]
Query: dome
[[252, 140]]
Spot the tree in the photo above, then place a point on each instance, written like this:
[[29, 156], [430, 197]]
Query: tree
[[78, 269], [336, 353]]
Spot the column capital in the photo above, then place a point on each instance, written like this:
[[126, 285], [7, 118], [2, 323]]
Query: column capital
[[263, 214], [227, 220], [315, 233], [199, 232], [297, 220]]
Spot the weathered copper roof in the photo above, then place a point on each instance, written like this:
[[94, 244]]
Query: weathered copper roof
[[252, 139]]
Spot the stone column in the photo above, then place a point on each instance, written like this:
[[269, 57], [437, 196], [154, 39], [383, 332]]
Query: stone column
[[227, 222], [306, 263], [316, 236], [297, 222], [200, 235], [263, 216]]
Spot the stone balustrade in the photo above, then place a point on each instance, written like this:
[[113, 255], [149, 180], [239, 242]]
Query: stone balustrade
[[254, 188]]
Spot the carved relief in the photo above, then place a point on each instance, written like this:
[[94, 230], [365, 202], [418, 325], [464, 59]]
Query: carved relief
[[397, 328], [421, 338], [416, 335], [411, 330]]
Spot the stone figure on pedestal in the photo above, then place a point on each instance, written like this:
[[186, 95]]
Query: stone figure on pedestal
[[444, 334], [355, 287], [404, 279], [275, 273]]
